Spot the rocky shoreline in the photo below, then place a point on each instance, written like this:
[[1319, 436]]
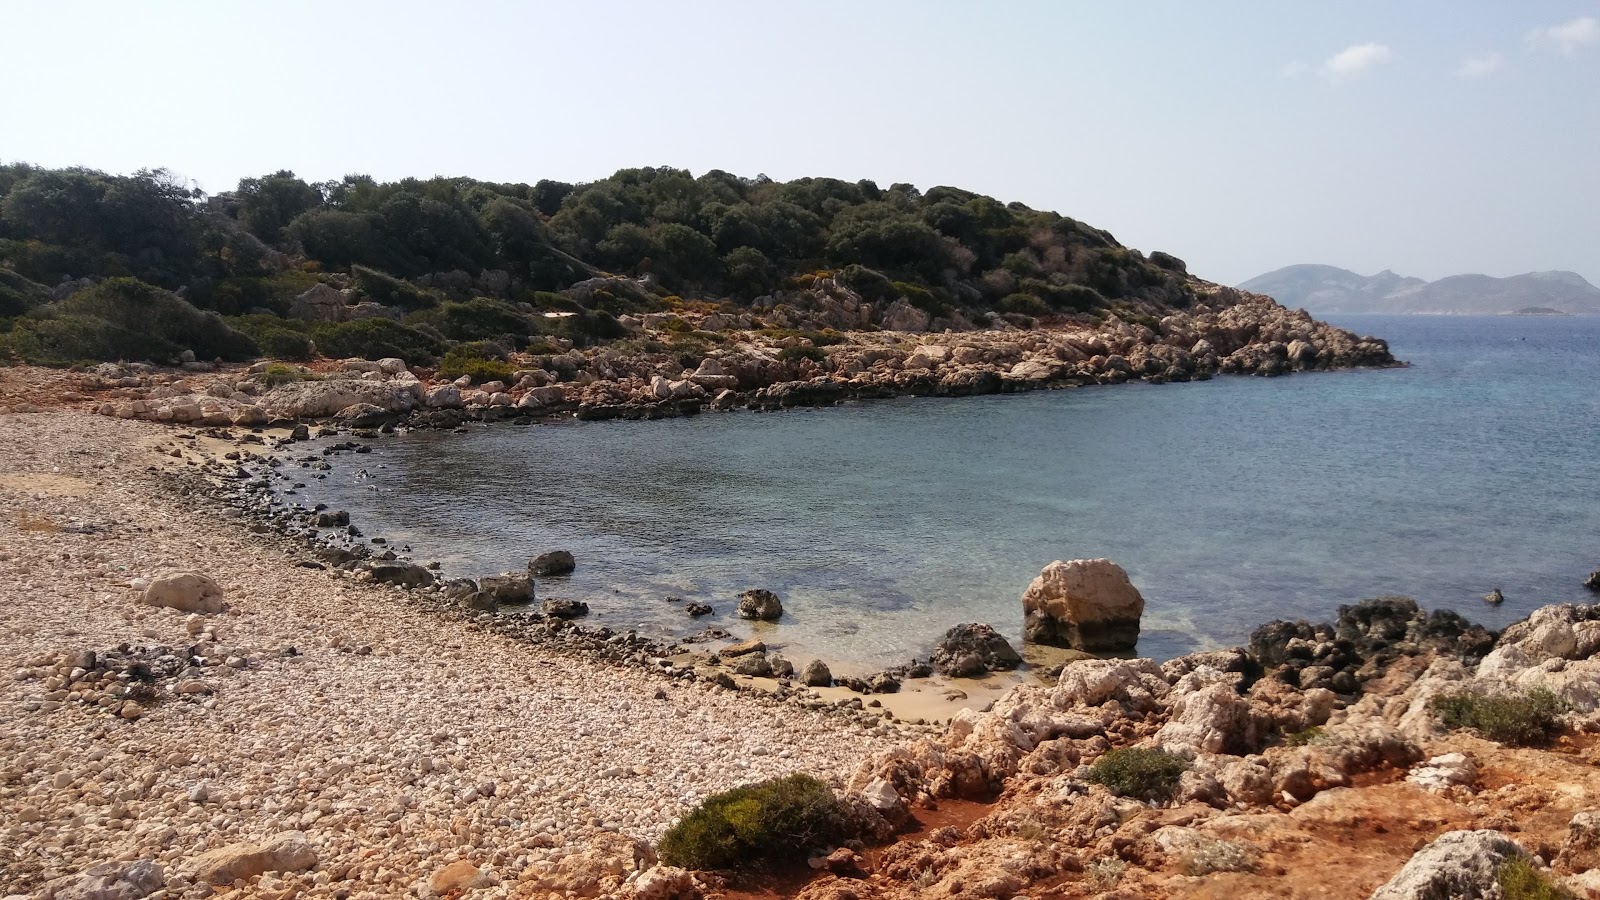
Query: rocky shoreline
[[730, 367], [310, 730]]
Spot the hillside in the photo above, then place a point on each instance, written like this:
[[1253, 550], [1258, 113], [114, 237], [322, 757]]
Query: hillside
[[1324, 290], [101, 267]]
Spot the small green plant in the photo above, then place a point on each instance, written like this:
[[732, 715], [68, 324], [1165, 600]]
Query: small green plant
[[1520, 719], [782, 819], [1105, 871], [1136, 772], [472, 360], [797, 353], [1304, 736], [1033, 830], [1521, 880], [278, 373]]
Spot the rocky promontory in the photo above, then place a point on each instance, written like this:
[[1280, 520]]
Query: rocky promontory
[[738, 366]]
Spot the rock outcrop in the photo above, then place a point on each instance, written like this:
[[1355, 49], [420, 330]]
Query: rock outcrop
[[967, 651], [1086, 604], [759, 604], [556, 562], [1460, 865]]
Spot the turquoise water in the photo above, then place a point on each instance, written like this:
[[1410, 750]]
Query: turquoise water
[[1230, 502]]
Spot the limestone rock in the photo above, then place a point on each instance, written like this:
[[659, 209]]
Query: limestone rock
[[760, 604], [322, 399], [510, 588], [754, 645], [404, 574], [108, 881], [816, 674], [186, 591], [288, 851], [556, 562], [970, 650], [1459, 865], [754, 666], [1086, 604], [1446, 771], [1214, 719], [666, 883], [458, 877]]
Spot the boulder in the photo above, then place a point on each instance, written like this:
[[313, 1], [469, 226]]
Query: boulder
[[816, 674], [561, 608], [967, 651], [1459, 865], [1593, 581], [760, 604], [288, 851], [1446, 771], [322, 399], [666, 883], [1086, 604], [556, 562], [743, 648], [457, 878], [185, 591], [404, 574], [108, 881], [510, 588], [322, 303], [754, 665]]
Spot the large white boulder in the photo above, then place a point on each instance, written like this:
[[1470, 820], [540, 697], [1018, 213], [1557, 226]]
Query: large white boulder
[[1087, 604], [185, 591]]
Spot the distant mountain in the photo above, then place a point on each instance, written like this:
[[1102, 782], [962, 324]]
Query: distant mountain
[[1326, 289]]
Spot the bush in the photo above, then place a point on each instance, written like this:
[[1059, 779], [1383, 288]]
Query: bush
[[1519, 719], [278, 373], [799, 352], [391, 291], [375, 339], [125, 319], [276, 338], [772, 821], [1522, 880], [1304, 737], [478, 319], [477, 360], [1024, 304], [18, 294], [1135, 772]]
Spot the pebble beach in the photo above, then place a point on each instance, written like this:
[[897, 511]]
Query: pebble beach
[[395, 743]]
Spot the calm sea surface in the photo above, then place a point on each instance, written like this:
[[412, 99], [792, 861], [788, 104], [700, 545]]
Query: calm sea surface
[[1230, 502]]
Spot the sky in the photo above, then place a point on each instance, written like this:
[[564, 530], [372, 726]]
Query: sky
[[1431, 138]]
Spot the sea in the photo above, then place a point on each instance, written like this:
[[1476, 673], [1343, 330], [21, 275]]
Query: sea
[[880, 524]]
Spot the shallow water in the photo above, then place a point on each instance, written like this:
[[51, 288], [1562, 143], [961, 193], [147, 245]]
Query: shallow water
[[1230, 502]]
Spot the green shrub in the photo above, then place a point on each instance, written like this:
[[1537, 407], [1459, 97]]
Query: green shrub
[[1303, 737], [125, 319], [476, 360], [1522, 719], [1522, 880], [375, 339], [478, 319], [238, 296], [278, 373], [276, 338], [19, 295], [1024, 304], [1139, 773], [772, 821], [391, 291]]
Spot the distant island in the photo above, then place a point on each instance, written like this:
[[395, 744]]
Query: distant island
[[1322, 290]]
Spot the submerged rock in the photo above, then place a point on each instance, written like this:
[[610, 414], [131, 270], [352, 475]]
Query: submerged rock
[[1085, 604], [510, 588], [1593, 581], [967, 651], [560, 608], [556, 562]]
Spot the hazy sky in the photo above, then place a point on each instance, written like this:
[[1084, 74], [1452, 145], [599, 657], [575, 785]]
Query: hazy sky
[[1427, 137]]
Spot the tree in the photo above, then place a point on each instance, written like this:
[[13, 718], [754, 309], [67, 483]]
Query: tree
[[268, 204]]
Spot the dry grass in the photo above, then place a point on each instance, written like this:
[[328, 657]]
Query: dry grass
[[28, 521]]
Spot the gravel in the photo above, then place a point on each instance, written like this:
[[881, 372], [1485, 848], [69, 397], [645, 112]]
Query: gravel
[[396, 742]]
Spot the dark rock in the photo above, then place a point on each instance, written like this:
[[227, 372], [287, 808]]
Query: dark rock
[[972, 649], [760, 604], [696, 610], [331, 519], [556, 562], [781, 668], [559, 608], [1593, 581], [755, 666], [884, 683], [816, 674], [404, 574], [509, 588]]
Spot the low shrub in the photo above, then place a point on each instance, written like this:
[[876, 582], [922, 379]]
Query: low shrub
[[784, 819], [474, 360], [278, 373], [125, 319], [478, 319], [1522, 880], [375, 339], [1218, 856], [1521, 719], [1303, 737], [276, 338], [1139, 773], [1024, 304], [391, 291], [19, 295]]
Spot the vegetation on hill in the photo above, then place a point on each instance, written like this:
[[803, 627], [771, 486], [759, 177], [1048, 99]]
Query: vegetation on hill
[[454, 259]]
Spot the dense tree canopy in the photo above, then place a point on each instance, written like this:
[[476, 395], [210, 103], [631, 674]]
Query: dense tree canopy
[[415, 243]]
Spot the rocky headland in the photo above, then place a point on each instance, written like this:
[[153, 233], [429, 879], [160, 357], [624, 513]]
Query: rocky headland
[[826, 347]]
